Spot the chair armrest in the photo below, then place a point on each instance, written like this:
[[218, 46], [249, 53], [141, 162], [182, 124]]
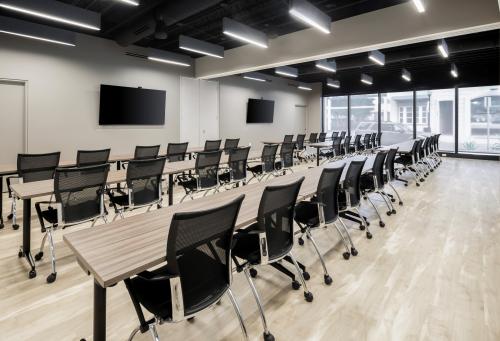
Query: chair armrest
[[150, 276]]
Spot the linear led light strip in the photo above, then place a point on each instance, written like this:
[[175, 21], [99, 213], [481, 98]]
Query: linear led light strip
[[245, 39], [283, 73], [376, 60], [199, 51], [333, 85], [442, 50], [254, 79], [301, 87], [130, 2], [308, 21], [419, 5], [406, 78], [167, 61], [37, 38], [326, 68], [50, 17]]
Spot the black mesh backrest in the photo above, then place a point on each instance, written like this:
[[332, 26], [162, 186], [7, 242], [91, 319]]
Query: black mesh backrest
[[418, 149], [231, 144], [414, 148], [286, 154], [378, 168], [212, 145], [144, 179], [342, 134], [92, 157], [176, 151], [335, 134], [366, 140], [79, 191], [437, 141], [322, 137], [347, 142], [357, 141], [313, 137], [351, 181], [275, 217], [378, 139], [300, 141], [207, 168], [146, 152], [372, 139], [337, 145], [327, 192], [199, 251], [389, 162], [238, 158], [288, 138], [268, 157], [37, 167]]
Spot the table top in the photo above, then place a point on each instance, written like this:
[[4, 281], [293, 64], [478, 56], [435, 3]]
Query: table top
[[123, 248]]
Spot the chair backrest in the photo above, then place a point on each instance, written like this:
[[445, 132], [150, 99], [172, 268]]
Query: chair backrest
[[80, 192], [357, 141], [389, 162], [230, 144], [437, 141], [146, 152], [378, 139], [177, 151], [199, 252], [275, 217], [300, 141], [373, 139], [342, 134], [37, 167], [322, 137], [327, 193], [144, 180], [378, 168], [92, 157], [288, 138], [366, 141], [207, 168], [337, 145], [313, 137], [335, 134], [414, 149], [418, 149], [286, 154], [347, 143], [212, 145], [238, 159], [268, 157], [352, 181]]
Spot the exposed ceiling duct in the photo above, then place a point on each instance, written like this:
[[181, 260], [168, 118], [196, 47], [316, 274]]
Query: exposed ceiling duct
[[171, 12]]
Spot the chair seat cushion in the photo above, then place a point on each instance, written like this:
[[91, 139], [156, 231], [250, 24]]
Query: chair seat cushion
[[246, 245], [119, 200], [189, 183], [225, 177], [306, 213], [50, 215], [257, 169]]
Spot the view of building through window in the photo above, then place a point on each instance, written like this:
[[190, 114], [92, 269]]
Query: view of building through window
[[335, 113], [397, 117], [364, 114]]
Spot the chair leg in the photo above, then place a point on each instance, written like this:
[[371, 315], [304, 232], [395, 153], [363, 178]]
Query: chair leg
[[267, 334], [389, 212], [347, 253], [238, 313], [365, 223], [327, 278], [381, 223], [39, 255], [154, 332], [52, 277], [307, 294], [134, 332], [354, 252]]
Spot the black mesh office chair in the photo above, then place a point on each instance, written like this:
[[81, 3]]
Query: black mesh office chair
[[86, 158], [313, 137], [79, 194], [206, 177], [286, 157], [322, 137], [267, 165], [373, 140], [390, 175], [346, 146], [176, 151], [212, 145], [143, 187], [270, 240], [342, 134], [300, 147], [31, 167], [146, 152], [333, 153], [230, 144], [288, 138], [322, 210], [366, 142], [237, 167], [198, 272], [335, 134], [378, 140], [409, 162], [356, 145]]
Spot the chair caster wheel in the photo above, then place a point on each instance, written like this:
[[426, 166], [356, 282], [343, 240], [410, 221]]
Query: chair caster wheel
[[253, 273], [381, 224], [39, 256], [346, 255], [308, 296], [406, 185], [32, 274], [362, 227], [51, 278], [418, 185], [158, 206], [306, 275], [328, 279], [10, 216], [268, 337], [191, 319], [295, 285], [15, 227], [2, 226], [369, 235], [393, 211], [400, 203], [354, 252], [422, 180], [389, 213], [301, 241]]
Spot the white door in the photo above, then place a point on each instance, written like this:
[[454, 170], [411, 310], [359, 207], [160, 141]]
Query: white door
[[209, 110], [300, 119], [189, 111]]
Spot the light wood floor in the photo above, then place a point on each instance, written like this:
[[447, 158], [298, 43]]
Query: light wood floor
[[433, 273]]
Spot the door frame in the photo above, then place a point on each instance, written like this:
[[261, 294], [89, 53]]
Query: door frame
[[25, 83]]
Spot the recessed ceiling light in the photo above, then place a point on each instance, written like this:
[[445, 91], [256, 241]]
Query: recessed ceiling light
[[244, 33], [377, 57], [443, 48], [326, 65], [419, 5], [311, 15]]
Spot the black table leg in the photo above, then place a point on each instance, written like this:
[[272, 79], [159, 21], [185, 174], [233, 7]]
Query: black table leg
[[99, 312], [317, 156], [1, 202], [26, 247], [170, 189]]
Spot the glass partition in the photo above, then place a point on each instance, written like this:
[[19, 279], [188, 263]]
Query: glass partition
[[364, 114], [335, 114], [397, 117]]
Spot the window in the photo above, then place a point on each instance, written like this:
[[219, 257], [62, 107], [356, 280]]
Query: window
[[397, 117], [364, 114], [436, 115], [335, 113], [479, 118]]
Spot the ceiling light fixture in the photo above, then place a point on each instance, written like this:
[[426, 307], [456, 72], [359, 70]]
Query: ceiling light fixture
[[332, 83], [304, 87], [377, 57], [311, 15], [130, 2], [244, 33], [454, 70], [287, 71], [419, 5], [443, 48], [366, 79], [255, 76], [406, 75], [200, 46], [326, 65], [169, 57]]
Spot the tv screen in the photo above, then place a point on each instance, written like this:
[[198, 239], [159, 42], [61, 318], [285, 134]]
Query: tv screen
[[260, 111], [132, 106]]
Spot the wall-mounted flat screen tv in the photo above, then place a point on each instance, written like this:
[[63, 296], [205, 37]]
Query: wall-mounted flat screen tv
[[260, 111], [131, 106]]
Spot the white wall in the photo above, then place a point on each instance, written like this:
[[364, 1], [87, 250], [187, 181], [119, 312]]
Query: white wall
[[234, 94], [63, 93]]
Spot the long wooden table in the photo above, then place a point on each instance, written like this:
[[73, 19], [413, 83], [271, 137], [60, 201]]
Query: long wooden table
[[121, 249]]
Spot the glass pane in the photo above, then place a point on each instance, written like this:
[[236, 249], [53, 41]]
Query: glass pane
[[397, 117], [335, 113], [364, 114], [479, 115], [436, 115]]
